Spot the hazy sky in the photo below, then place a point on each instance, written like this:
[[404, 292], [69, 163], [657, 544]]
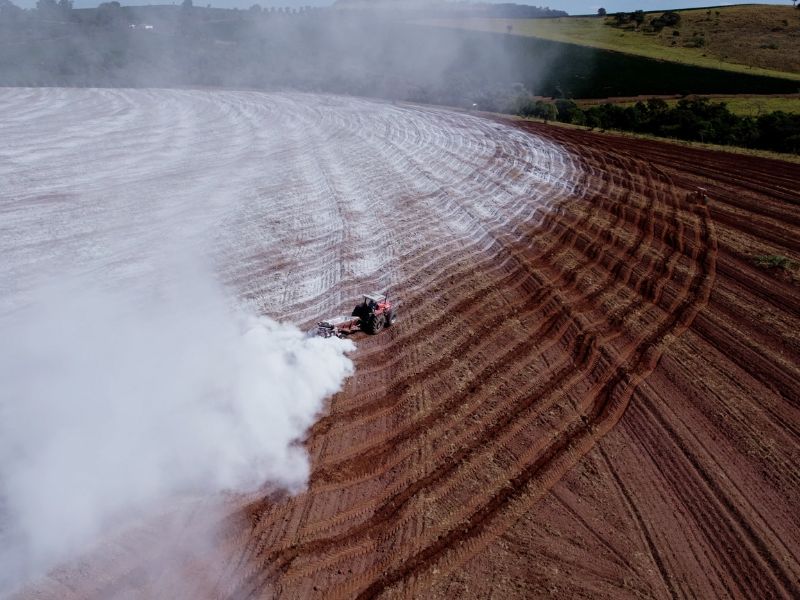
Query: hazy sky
[[573, 7]]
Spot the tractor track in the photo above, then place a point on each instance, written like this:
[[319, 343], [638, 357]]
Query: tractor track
[[591, 391]]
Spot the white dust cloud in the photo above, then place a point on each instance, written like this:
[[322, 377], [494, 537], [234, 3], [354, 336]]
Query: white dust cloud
[[117, 398]]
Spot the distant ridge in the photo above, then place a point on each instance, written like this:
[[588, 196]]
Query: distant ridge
[[454, 9]]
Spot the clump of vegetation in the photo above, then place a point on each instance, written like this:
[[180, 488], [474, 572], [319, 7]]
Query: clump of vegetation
[[779, 266], [528, 107], [695, 42], [668, 19], [773, 261], [637, 18]]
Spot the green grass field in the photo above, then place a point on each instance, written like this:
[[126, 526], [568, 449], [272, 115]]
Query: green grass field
[[755, 106], [753, 39], [745, 106]]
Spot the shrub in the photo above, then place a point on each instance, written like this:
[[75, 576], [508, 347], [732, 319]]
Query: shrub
[[671, 19], [568, 112], [545, 110], [621, 18], [773, 261]]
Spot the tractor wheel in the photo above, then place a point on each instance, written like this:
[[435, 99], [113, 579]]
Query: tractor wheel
[[391, 318], [374, 324]]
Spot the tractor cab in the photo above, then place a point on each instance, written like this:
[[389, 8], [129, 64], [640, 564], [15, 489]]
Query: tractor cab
[[373, 301], [375, 312]]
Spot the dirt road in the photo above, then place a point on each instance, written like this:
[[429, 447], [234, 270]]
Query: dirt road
[[592, 390]]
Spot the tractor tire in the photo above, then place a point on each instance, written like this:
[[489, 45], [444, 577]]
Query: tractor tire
[[374, 324], [391, 317]]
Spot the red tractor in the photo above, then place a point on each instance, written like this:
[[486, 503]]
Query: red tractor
[[375, 313], [371, 315]]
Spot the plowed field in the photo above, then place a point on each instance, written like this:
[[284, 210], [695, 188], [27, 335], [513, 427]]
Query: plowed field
[[592, 390]]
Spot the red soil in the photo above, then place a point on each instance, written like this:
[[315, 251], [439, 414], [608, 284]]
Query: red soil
[[600, 401], [605, 404]]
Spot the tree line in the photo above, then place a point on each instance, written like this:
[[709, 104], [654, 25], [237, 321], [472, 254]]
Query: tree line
[[693, 119]]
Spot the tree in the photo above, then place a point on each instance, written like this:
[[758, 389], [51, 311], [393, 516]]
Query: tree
[[668, 19], [110, 13], [671, 18], [546, 111], [46, 8], [569, 112], [9, 11], [779, 131], [601, 12], [187, 4]]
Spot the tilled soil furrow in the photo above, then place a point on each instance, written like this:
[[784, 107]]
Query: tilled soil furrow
[[553, 283], [684, 305]]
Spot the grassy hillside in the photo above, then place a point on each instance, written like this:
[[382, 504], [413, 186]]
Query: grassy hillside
[[557, 69], [755, 38]]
